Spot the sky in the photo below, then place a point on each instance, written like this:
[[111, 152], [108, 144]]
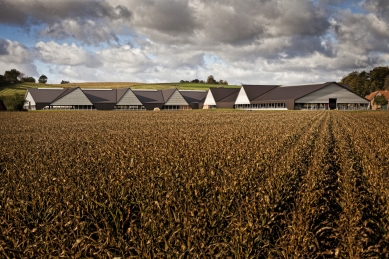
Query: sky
[[155, 41]]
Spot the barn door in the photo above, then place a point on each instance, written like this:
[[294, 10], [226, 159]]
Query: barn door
[[332, 103]]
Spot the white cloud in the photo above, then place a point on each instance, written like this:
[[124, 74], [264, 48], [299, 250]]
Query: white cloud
[[15, 55], [65, 54]]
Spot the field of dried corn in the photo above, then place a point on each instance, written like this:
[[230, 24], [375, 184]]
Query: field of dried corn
[[194, 184]]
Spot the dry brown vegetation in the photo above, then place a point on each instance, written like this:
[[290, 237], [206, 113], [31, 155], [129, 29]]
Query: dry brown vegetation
[[194, 184]]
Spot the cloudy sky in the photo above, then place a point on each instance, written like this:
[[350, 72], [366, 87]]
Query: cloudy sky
[[241, 41]]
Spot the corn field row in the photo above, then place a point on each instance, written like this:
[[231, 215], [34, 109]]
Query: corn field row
[[194, 184]]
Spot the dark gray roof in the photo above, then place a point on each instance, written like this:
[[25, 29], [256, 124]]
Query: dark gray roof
[[289, 92], [101, 95], [194, 96], [224, 94], [167, 93], [254, 91], [42, 95], [64, 93], [149, 96], [120, 93]]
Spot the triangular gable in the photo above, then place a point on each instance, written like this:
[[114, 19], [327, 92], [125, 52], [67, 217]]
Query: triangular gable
[[166, 93], [28, 98], [220, 94], [332, 90], [129, 98], [209, 100], [242, 97], [176, 99], [254, 91], [74, 97]]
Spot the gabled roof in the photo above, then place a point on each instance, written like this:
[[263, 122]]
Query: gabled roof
[[120, 93], [373, 94], [126, 96], [174, 98], [194, 96], [224, 94], [45, 95], [167, 93], [65, 92], [101, 95], [153, 96], [292, 92], [254, 91], [72, 96]]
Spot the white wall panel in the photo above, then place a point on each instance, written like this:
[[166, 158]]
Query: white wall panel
[[129, 98], [176, 99], [30, 99], [332, 91], [209, 100], [242, 97], [76, 97]]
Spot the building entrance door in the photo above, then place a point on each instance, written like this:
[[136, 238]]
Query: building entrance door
[[332, 103]]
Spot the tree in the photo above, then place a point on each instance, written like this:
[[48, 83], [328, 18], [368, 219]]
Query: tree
[[2, 79], [380, 100], [64, 82], [28, 79], [359, 82], [386, 85], [42, 79], [12, 76], [211, 80], [377, 78]]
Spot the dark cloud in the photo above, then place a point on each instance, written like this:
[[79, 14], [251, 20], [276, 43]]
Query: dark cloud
[[48, 12], [89, 21], [4, 47]]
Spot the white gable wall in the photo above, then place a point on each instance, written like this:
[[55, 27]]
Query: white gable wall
[[76, 97], [332, 91], [242, 97], [29, 99], [129, 98], [176, 99], [209, 100]]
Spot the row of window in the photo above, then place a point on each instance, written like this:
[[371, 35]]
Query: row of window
[[326, 106], [260, 106]]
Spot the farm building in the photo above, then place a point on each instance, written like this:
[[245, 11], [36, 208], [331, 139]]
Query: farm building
[[371, 97], [127, 100], [168, 99], [105, 99], [221, 98], [72, 98], [326, 96], [40, 98]]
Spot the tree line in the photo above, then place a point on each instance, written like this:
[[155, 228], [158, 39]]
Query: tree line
[[14, 76], [364, 83], [210, 80]]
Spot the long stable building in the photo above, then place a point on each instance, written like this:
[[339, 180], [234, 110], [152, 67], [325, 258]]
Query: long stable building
[[112, 99], [326, 96]]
